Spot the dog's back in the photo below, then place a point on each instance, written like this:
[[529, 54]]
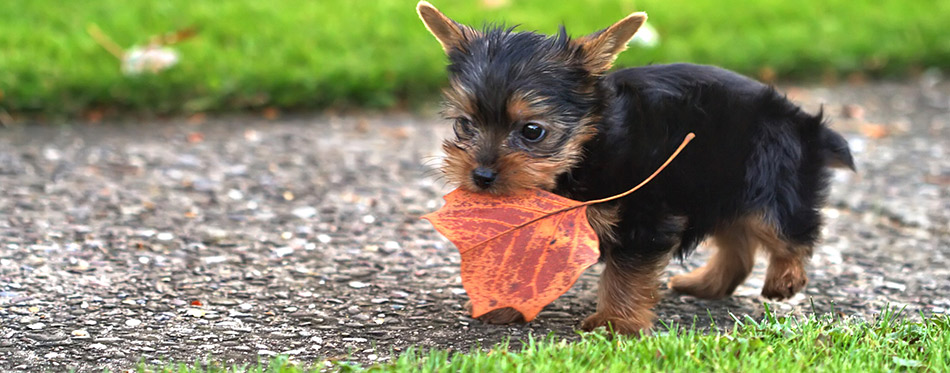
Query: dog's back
[[755, 152]]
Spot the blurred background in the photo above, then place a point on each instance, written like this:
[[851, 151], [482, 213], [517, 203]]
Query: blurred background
[[55, 59]]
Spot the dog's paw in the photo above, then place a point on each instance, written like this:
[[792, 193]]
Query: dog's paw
[[506, 315], [616, 325], [696, 284], [502, 316], [786, 285]]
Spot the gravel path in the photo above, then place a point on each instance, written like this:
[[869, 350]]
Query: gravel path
[[244, 238]]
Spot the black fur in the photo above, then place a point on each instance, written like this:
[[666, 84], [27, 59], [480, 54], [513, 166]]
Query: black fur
[[754, 152]]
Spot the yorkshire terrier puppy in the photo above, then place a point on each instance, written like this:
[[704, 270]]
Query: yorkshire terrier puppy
[[539, 111]]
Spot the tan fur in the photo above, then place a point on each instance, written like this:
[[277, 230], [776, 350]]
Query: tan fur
[[604, 218], [525, 107], [459, 100], [519, 171], [601, 49], [458, 165], [626, 296], [729, 266]]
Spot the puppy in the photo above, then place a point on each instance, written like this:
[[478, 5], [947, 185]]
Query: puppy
[[539, 111]]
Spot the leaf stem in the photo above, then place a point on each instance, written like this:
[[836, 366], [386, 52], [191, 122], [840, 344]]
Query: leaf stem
[[689, 137]]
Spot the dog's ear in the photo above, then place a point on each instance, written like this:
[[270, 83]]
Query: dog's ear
[[450, 34], [600, 49]]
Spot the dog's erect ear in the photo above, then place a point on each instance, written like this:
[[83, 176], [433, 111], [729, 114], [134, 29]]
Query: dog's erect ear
[[601, 48], [450, 34]]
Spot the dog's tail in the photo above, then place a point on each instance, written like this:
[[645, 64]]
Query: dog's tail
[[835, 149]]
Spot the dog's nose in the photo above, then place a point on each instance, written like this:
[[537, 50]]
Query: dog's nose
[[483, 177]]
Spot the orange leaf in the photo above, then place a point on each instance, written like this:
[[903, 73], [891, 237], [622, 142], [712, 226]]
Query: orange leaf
[[521, 250], [515, 252]]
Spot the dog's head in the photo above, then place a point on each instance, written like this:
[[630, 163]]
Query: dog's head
[[523, 104]]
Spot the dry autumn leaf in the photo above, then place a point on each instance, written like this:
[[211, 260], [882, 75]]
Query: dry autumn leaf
[[521, 250], [507, 262]]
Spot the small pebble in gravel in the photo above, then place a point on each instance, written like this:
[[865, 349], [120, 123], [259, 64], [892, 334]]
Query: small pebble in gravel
[[133, 322], [36, 326], [235, 194], [304, 212], [281, 252], [164, 236], [391, 246], [358, 284]]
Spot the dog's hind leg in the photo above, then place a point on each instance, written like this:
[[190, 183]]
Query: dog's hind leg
[[729, 266]]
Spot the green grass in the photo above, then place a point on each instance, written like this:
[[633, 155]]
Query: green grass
[[890, 343], [316, 54]]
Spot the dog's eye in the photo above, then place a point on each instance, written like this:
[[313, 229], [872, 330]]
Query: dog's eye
[[532, 132]]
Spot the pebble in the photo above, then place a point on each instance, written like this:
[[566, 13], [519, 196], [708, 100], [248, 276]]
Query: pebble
[[235, 194], [895, 286], [281, 252], [36, 326], [304, 212], [222, 301], [196, 312], [358, 284], [215, 259], [165, 236], [80, 333], [391, 246], [133, 322]]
